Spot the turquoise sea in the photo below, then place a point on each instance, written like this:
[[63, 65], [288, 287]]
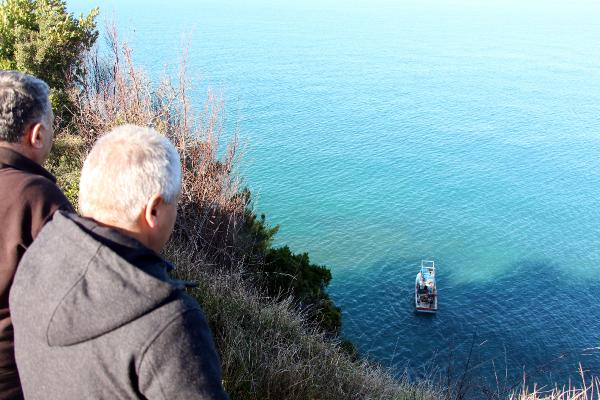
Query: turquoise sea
[[381, 133]]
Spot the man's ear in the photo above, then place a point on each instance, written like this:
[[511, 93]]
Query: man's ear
[[151, 213], [35, 135]]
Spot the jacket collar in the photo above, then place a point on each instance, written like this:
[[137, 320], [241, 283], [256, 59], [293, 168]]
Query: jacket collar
[[13, 159], [125, 246]]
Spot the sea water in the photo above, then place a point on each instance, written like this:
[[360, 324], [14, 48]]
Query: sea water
[[380, 133]]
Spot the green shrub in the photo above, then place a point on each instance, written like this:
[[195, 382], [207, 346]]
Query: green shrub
[[65, 163], [286, 272], [283, 272], [41, 38]]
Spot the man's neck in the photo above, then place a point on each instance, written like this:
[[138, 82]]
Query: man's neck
[[130, 231], [22, 150]]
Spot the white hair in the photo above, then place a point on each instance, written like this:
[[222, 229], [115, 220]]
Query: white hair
[[124, 169]]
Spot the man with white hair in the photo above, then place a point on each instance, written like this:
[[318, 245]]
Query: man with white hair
[[28, 194], [95, 313]]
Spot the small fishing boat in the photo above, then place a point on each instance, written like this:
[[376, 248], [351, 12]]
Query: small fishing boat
[[425, 288]]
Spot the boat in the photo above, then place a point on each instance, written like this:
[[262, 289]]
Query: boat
[[425, 288]]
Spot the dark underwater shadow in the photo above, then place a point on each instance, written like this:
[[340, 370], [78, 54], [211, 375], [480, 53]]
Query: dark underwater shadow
[[534, 321]]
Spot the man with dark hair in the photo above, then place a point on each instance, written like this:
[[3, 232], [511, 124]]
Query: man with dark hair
[[28, 194]]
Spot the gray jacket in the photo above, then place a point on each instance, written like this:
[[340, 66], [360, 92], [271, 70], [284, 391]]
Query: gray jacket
[[97, 317]]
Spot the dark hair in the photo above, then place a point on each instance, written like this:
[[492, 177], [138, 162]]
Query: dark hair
[[23, 100]]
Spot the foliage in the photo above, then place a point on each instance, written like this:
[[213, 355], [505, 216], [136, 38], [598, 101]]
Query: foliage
[[41, 38], [258, 235], [283, 272], [293, 273], [65, 162]]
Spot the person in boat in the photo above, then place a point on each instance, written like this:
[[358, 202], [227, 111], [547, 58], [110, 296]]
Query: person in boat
[[95, 312], [28, 191]]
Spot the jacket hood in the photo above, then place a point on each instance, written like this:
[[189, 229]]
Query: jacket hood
[[110, 288]]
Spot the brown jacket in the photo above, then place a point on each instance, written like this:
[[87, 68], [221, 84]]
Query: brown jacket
[[28, 199]]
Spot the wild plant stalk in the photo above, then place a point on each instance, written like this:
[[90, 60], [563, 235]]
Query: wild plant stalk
[[213, 204], [588, 390]]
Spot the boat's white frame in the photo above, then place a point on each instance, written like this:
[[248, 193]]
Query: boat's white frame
[[430, 267]]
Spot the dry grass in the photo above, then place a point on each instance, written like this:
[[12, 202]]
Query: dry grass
[[588, 389]]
